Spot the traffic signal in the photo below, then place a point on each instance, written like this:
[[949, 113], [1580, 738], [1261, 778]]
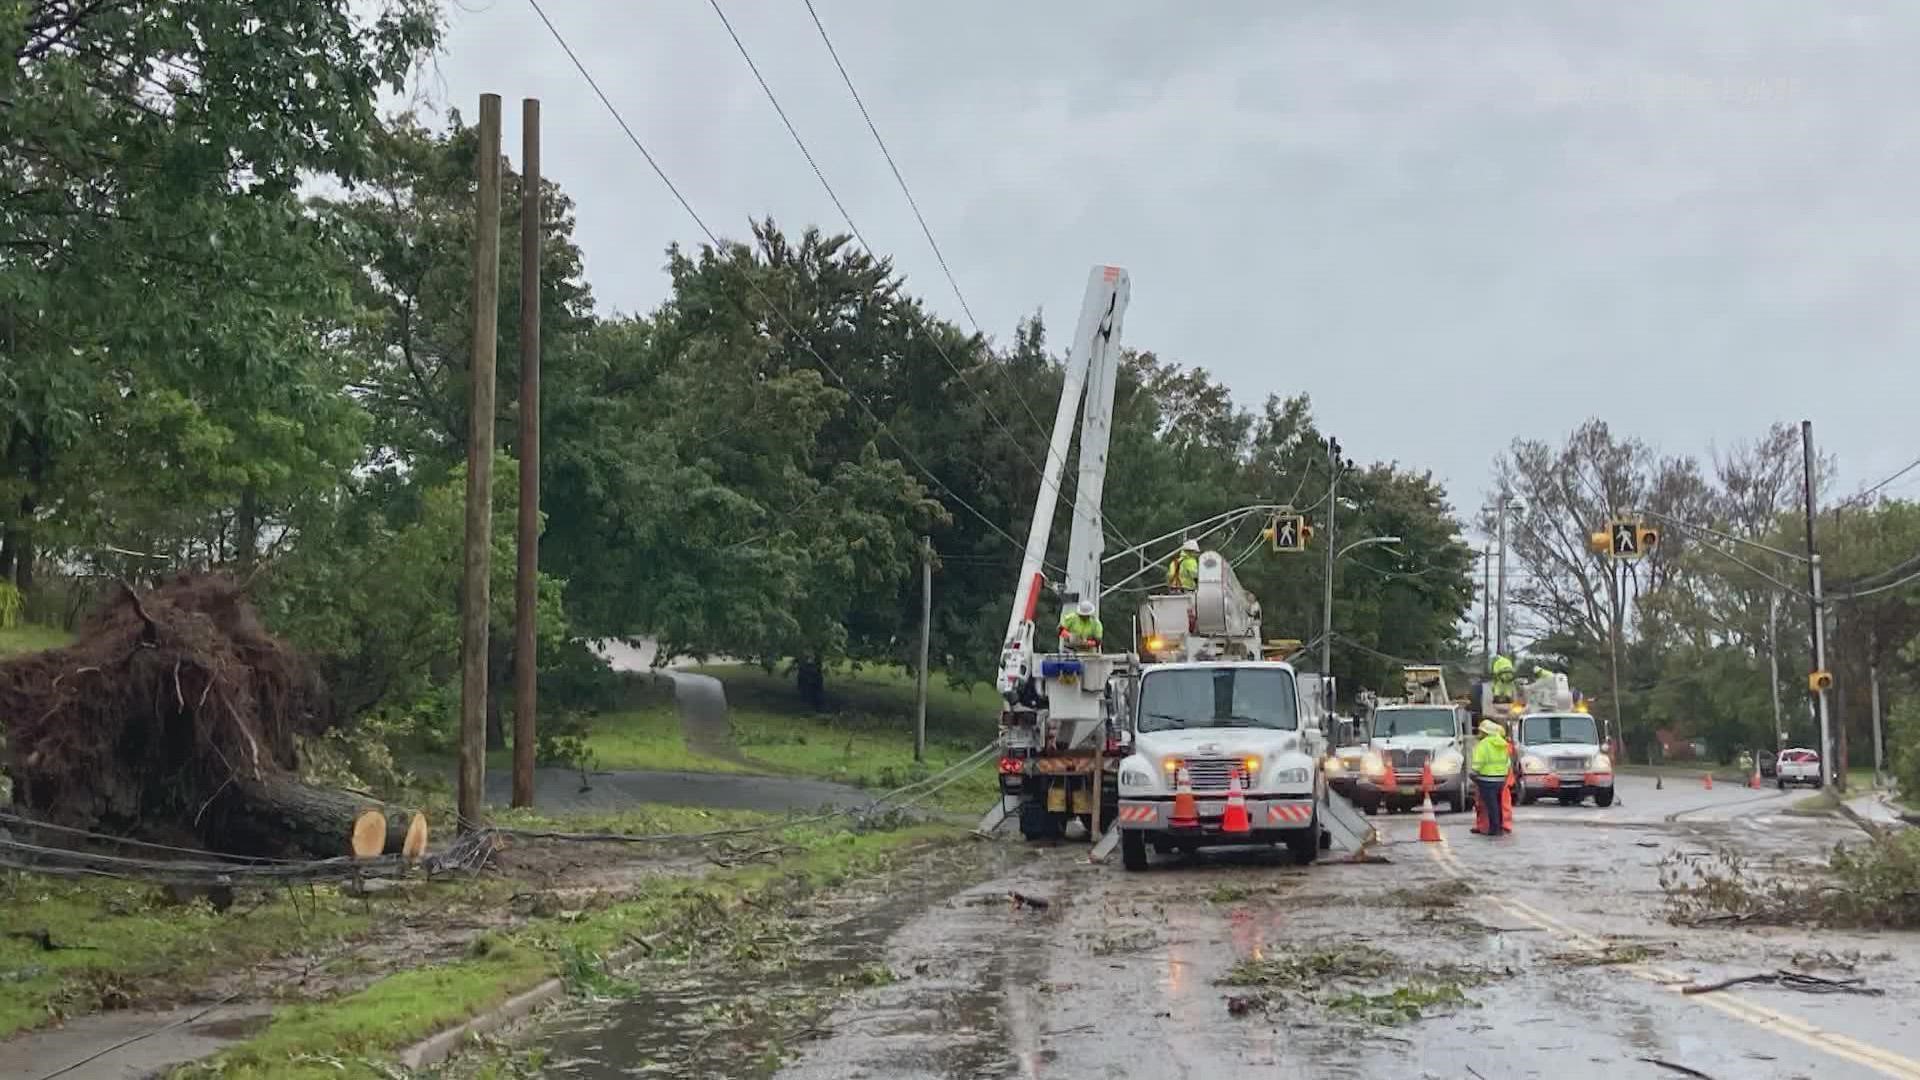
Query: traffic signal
[[1819, 680], [1623, 539], [1600, 542]]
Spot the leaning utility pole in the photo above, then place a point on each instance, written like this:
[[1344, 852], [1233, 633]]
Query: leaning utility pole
[[474, 586], [526, 596], [1819, 608], [1873, 691], [1773, 668], [926, 648], [1486, 608], [1326, 608], [1500, 614]]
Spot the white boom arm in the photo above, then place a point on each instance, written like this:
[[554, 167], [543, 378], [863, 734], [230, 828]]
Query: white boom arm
[[1090, 374]]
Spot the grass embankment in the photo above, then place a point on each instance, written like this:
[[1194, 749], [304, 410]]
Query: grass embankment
[[358, 1034], [866, 740], [27, 637]]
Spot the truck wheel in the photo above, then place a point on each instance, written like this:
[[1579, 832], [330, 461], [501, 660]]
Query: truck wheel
[[1304, 844], [1133, 849], [1603, 797], [1372, 809]]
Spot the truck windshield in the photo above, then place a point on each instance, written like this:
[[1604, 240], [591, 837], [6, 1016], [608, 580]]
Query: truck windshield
[[1218, 697], [1578, 728], [1388, 723]]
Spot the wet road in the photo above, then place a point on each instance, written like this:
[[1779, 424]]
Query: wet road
[[1544, 954]]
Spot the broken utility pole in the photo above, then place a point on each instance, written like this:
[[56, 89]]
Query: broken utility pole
[[474, 586], [527, 584]]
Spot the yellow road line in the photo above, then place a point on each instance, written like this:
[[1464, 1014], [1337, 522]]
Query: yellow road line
[[1885, 1062]]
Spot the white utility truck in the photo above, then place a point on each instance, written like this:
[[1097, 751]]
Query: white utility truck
[[1408, 735], [1198, 712]]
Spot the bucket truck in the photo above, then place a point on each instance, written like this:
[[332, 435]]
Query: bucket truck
[[1187, 738]]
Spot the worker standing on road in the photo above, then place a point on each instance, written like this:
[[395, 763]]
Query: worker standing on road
[[1490, 766], [1183, 572], [1080, 629], [1502, 679]]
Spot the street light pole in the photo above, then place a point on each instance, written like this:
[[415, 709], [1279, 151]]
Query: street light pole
[[1819, 610]]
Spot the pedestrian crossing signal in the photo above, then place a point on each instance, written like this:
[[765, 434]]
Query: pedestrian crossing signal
[[1648, 539], [1600, 542], [1820, 680], [1288, 532], [1624, 537]]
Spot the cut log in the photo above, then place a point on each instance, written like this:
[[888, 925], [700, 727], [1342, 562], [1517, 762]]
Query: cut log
[[278, 813], [369, 834], [415, 844]]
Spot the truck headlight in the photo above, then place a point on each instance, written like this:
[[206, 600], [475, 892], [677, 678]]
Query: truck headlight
[[1447, 764], [1372, 764], [1600, 763], [1290, 776], [1335, 766], [1135, 778], [1531, 763]]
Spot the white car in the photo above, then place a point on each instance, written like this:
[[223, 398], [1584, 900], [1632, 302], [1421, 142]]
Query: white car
[[1797, 765]]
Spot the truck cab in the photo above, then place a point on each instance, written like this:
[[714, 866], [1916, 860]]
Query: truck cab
[[1403, 741], [1561, 758], [1210, 722]]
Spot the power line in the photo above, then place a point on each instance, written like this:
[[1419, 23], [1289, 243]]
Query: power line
[[933, 337], [772, 306], [927, 230], [1909, 467]]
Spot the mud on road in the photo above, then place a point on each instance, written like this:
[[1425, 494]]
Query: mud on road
[[1543, 954]]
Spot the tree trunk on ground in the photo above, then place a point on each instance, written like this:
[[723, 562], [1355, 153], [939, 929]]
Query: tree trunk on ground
[[812, 680], [278, 811]]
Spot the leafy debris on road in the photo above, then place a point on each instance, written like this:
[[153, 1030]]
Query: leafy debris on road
[[1344, 980], [1234, 892], [1683, 1070], [1021, 900], [1403, 1004], [1872, 884], [1439, 894]]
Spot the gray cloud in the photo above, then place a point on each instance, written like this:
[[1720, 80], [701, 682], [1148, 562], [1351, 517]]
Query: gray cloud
[[1450, 227]]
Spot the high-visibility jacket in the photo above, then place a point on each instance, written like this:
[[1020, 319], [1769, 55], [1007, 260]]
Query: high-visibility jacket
[[1081, 631], [1503, 686], [1184, 571], [1490, 757]]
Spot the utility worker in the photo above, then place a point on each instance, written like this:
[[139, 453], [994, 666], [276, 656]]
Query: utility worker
[[1183, 572], [1491, 763], [1080, 629], [1502, 679]]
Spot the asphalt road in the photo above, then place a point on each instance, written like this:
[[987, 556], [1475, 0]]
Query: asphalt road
[[1120, 975]]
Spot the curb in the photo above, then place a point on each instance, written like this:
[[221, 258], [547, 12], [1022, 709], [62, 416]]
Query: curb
[[437, 1048]]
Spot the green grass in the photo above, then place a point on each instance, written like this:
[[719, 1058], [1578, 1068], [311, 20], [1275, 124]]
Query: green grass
[[28, 637], [124, 936], [648, 738], [867, 740], [354, 1035]]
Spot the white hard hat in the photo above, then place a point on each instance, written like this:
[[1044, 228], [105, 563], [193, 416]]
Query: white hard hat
[[1085, 609], [1191, 545]]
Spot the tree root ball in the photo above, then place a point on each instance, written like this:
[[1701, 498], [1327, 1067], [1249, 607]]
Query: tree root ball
[[175, 712]]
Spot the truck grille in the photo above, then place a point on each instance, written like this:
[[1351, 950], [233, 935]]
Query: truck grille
[[1211, 774], [1569, 764], [1407, 759]]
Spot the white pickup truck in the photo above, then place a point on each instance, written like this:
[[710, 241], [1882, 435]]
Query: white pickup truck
[[1212, 720]]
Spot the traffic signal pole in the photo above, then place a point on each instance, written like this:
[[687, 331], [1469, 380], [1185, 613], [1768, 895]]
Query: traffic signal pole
[[1326, 603], [1819, 609]]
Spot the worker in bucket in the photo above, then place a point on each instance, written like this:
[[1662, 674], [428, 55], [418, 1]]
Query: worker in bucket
[[1080, 629], [1502, 679], [1490, 767], [1183, 572]]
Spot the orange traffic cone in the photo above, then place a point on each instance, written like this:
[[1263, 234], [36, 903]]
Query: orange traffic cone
[[1186, 813], [1235, 820], [1426, 778], [1429, 825], [1706, 780], [1753, 779]]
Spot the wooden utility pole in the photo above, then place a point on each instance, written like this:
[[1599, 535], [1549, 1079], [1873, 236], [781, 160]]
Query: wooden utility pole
[[479, 547], [926, 647], [527, 584], [1818, 604]]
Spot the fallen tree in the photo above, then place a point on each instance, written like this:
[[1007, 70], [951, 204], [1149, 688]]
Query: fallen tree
[[176, 716]]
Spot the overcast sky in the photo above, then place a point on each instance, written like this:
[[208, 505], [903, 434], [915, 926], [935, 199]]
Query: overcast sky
[[1450, 223]]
